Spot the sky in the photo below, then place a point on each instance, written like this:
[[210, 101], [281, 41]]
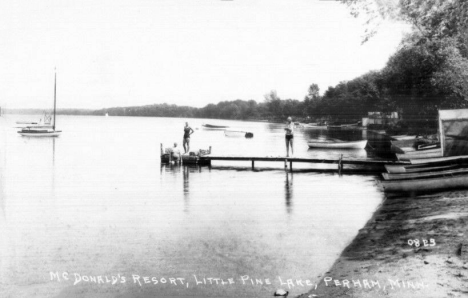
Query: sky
[[183, 52]]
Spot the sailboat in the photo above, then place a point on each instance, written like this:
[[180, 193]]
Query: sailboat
[[34, 131]]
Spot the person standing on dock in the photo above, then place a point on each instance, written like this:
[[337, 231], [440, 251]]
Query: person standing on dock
[[187, 132], [289, 136]]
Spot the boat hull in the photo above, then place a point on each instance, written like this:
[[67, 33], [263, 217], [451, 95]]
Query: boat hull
[[427, 184], [214, 126], [244, 134], [338, 145], [55, 133], [430, 153], [428, 174]]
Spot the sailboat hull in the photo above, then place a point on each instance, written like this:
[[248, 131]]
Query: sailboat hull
[[54, 133]]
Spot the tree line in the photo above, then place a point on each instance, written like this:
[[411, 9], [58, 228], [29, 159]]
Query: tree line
[[428, 72]]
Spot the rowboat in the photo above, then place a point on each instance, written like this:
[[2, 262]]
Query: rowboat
[[233, 133], [214, 126], [338, 144], [436, 173], [450, 181], [420, 154], [396, 169]]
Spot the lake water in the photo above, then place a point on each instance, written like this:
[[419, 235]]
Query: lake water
[[96, 205]]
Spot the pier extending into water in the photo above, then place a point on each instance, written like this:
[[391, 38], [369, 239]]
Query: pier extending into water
[[290, 160], [204, 157]]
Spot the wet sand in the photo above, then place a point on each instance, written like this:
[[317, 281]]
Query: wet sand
[[380, 262]]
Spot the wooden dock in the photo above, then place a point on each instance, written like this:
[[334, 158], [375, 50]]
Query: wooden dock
[[339, 161], [204, 157]]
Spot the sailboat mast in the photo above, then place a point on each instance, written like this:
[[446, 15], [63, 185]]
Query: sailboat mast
[[55, 96]]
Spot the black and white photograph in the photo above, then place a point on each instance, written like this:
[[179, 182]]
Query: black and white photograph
[[233, 148]]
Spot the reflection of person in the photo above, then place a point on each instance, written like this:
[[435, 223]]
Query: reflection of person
[[175, 152], [187, 132], [289, 136]]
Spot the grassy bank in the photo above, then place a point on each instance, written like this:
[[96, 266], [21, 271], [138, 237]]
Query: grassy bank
[[384, 259]]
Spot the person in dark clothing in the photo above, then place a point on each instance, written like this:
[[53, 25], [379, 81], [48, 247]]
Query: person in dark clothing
[[187, 132]]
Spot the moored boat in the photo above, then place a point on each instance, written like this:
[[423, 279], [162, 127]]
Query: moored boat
[[415, 175], [420, 154], [337, 144], [234, 133], [214, 126], [44, 130], [37, 132], [340, 126], [404, 137], [450, 181]]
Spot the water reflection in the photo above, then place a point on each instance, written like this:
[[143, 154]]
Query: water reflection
[[288, 192]]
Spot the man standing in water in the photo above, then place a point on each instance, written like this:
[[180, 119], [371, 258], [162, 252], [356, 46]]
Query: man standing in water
[[289, 137], [187, 132]]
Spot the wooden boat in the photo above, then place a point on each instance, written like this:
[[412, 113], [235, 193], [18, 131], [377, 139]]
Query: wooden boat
[[440, 160], [448, 181], [340, 126], [44, 131], [435, 173], [337, 144], [395, 169], [214, 126], [420, 154], [404, 137], [233, 133]]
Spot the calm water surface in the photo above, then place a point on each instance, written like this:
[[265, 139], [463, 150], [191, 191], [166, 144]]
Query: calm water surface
[[97, 202]]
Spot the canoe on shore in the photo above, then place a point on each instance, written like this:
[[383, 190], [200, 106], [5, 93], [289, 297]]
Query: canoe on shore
[[451, 181], [338, 145]]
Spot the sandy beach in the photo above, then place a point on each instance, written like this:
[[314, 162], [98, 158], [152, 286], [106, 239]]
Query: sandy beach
[[411, 247]]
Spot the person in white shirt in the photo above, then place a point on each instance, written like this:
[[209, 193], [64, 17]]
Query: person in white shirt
[[289, 136]]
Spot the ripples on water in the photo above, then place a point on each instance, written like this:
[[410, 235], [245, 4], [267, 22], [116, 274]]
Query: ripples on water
[[97, 201]]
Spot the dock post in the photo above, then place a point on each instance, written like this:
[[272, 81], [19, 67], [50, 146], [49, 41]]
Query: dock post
[[285, 163], [209, 152], [290, 165], [253, 164], [340, 164], [161, 150]]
